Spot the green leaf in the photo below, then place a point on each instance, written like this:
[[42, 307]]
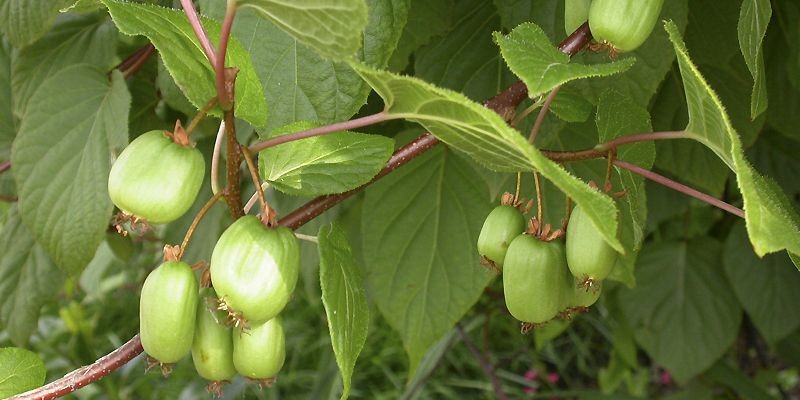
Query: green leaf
[[419, 248], [682, 310], [28, 280], [618, 115], [299, 84], [739, 381], [474, 66], [772, 222], [753, 21], [73, 40], [172, 35], [7, 124], [62, 156], [571, 106], [795, 260], [318, 165], [426, 19], [24, 21], [344, 298], [332, 28], [766, 288], [20, 370], [482, 134], [542, 66]]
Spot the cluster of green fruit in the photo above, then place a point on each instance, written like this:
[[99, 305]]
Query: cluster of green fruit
[[233, 327], [545, 276], [621, 25]]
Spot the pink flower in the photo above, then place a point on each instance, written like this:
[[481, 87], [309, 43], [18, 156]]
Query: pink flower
[[553, 378], [666, 378]]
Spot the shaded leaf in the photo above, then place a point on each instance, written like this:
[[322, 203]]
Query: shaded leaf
[[542, 66], [332, 28], [28, 280], [344, 298], [422, 267], [753, 21], [20, 370], [318, 165], [772, 222], [24, 21], [682, 311], [766, 288], [62, 157], [172, 35], [7, 126], [73, 40]]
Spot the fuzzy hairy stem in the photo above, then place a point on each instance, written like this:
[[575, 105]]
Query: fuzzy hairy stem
[[322, 130]]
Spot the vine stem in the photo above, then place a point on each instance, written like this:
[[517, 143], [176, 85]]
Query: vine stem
[[224, 83], [215, 158], [232, 190], [196, 221], [485, 364], [322, 130], [199, 31], [680, 187], [640, 137], [537, 126], [137, 60], [508, 99], [251, 165], [200, 115], [539, 198]]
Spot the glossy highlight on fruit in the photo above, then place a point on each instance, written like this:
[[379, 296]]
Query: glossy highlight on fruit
[[259, 352], [502, 225], [155, 178], [624, 24], [534, 279], [576, 12], [167, 311], [212, 349], [254, 268], [589, 257]]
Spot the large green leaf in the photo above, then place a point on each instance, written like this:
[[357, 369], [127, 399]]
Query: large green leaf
[[299, 84], [28, 280], [426, 20], [62, 156], [618, 115], [772, 222], [542, 66], [753, 21], [682, 310], [344, 298], [482, 134], [767, 288], [172, 35], [73, 40], [20, 370], [24, 21], [7, 127], [333, 29], [419, 247], [333, 163]]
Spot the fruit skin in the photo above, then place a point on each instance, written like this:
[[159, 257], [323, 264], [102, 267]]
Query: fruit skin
[[625, 24], [534, 279], [155, 178], [254, 268], [502, 225], [259, 352], [576, 12], [212, 349], [581, 297], [589, 257], [167, 311]]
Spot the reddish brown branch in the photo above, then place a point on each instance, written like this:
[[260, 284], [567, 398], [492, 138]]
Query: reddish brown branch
[[5, 166]]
